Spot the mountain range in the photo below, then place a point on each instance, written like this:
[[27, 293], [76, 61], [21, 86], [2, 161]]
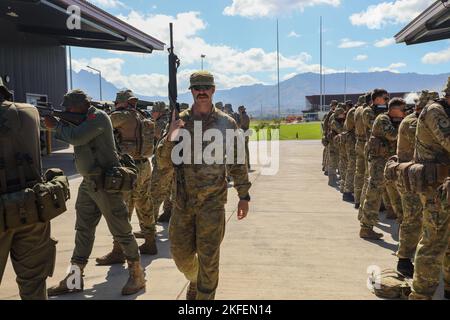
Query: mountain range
[[292, 91]]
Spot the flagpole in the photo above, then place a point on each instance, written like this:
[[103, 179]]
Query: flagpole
[[278, 71]]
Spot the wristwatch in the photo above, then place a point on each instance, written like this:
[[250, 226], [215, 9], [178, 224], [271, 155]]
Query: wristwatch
[[246, 198]]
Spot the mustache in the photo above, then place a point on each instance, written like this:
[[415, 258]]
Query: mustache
[[202, 96]]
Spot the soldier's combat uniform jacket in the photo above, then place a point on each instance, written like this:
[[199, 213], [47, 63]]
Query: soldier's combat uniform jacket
[[30, 247], [382, 145], [197, 224], [95, 149], [433, 150], [350, 142], [411, 226]]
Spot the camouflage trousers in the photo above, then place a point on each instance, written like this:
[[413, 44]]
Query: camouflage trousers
[[160, 190], [195, 233], [351, 164], [374, 193], [33, 254], [343, 162], [90, 206], [411, 224], [433, 250], [325, 158], [141, 200], [333, 158], [362, 197], [360, 169], [247, 151]]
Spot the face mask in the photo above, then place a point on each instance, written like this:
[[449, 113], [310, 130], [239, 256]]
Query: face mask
[[382, 106]]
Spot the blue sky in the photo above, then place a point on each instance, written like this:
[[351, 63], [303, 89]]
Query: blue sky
[[239, 40]]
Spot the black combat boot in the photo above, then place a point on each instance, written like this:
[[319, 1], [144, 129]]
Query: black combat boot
[[348, 197], [405, 267], [332, 180], [357, 205], [165, 216]]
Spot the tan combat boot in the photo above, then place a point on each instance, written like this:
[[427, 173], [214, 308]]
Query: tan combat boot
[[368, 233], [69, 284], [149, 246], [136, 280], [191, 292], [116, 256]]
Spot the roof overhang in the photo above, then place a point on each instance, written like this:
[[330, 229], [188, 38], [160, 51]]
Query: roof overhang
[[99, 29], [433, 24]]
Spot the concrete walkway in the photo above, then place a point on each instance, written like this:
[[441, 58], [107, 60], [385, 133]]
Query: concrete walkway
[[300, 241]]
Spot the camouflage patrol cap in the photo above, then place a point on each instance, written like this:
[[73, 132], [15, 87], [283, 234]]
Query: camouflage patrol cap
[[184, 106], [4, 90], [75, 97], [425, 97], [219, 105], [241, 108], [361, 100], [201, 78], [125, 96], [159, 106], [333, 103], [340, 111], [228, 107]]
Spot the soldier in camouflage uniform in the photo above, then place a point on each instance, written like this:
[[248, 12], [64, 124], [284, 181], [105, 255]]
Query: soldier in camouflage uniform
[[382, 145], [337, 120], [433, 151], [325, 141], [350, 142], [411, 226], [126, 121], [161, 184], [197, 224], [343, 160], [361, 139], [94, 148], [219, 105]]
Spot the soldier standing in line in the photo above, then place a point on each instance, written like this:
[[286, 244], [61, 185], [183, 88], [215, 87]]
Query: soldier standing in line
[[197, 224], [95, 152], [337, 120], [30, 247], [132, 130], [325, 141], [411, 226], [381, 145], [433, 153], [350, 142]]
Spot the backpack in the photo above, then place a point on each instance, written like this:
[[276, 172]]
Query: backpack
[[390, 284]]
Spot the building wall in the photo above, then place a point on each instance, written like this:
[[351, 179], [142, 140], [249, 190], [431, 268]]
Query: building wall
[[35, 64]]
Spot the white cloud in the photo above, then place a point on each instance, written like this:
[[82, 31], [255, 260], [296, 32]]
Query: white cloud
[[392, 68], [361, 57], [108, 4], [347, 43], [265, 8], [293, 34], [437, 57], [392, 12], [384, 42], [289, 76]]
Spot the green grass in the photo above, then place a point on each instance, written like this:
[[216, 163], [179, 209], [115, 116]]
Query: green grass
[[301, 131]]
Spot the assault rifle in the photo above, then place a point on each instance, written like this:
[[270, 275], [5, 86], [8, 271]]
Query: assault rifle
[[174, 64], [69, 117]]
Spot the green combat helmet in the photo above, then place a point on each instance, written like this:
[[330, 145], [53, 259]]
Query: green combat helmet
[[426, 97], [219, 105], [184, 106], [339, 113], [228, 108], [446, 89]]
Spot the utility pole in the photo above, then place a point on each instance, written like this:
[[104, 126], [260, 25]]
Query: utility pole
[[203, 57], [321, 73], [278, 71], [70, 68], [100, 80]]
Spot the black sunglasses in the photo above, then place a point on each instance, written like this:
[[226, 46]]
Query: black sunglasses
[[199, 88]]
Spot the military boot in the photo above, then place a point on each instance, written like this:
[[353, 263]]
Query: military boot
[[191, 292], [357, 205], [405, 267], [368, 233], [165, 217], [136, 280], [116, 256], [332, 180], [149, 246], [69, 284], [348, 197]]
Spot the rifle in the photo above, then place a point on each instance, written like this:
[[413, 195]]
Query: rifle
[[69, 117], [174, 64]]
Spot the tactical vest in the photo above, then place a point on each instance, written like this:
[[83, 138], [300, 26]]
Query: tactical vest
[[136, 136]]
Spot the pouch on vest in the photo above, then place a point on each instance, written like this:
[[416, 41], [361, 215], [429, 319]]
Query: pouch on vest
[[148, 137], [120, 179], [417, 178], [20, 208], [129, 147], [390, 285], [403, 177], [390, 170], [51, 198], [376, 147]]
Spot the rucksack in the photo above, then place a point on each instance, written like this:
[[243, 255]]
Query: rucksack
[[390, 284]]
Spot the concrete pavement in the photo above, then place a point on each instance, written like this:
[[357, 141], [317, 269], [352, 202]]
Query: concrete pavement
[[300, 241]]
